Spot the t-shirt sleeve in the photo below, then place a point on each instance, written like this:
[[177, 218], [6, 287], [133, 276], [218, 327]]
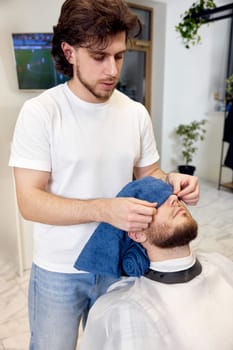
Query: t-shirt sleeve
[[30, 147], [149, 152]]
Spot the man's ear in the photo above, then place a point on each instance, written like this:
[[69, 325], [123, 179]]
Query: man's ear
[[139, 237], [68, 52]]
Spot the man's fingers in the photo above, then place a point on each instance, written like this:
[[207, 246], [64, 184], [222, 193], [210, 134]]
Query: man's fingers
[[185, 187], [137, 227], [131, 214], [141, 218]]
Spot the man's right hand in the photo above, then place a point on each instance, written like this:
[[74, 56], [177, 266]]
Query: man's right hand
[[128, 214]]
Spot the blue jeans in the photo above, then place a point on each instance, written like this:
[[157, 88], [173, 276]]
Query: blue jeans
[[57, 304]]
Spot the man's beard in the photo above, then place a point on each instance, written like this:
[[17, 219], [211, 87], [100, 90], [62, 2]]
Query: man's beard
[[100, 96], [181, 235]]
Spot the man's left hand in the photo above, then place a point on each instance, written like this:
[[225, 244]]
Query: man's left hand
[[186, 187]]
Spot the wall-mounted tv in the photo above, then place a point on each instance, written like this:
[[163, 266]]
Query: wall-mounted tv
[[34, 64]]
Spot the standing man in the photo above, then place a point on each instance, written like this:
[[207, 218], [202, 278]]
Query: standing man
[[75, 146]]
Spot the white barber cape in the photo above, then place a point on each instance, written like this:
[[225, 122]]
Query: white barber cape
[[149, 315]]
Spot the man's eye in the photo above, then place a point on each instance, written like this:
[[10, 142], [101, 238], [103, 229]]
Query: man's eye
[[119, 57], [98, 57]]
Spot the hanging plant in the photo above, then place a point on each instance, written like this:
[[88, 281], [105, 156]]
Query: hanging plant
[[189, 25]]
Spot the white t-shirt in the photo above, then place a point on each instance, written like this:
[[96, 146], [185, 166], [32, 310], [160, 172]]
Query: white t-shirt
[[90, 150], [196, 315]]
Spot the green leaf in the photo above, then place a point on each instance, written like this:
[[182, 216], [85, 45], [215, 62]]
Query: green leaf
[[189, 25]]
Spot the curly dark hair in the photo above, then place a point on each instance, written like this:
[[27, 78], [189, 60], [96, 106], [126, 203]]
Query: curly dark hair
[[87, 23]]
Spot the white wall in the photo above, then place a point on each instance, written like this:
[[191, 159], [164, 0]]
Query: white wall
[[191, 78], [183, 83], [20, 16]]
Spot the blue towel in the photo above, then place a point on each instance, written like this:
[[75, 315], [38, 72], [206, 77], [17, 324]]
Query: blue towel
[[109, 250]]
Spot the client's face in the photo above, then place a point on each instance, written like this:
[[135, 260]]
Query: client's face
[[172, 225]]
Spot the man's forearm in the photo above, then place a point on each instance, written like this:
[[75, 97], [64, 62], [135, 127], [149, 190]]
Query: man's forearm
[[125, 213], [47, 208], [151, 170], [37, 204]]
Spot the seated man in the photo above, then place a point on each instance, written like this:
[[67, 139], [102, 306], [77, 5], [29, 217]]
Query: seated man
[[184, 301]]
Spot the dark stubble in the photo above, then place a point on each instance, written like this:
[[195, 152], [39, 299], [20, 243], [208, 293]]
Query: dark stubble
[[181, 235], [102, 97]]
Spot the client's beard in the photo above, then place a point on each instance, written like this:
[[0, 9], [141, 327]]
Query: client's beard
[[180, 236]]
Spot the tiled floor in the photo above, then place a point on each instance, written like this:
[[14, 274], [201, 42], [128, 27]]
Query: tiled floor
[[214, 214]]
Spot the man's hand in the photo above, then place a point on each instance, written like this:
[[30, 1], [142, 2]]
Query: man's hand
[[186, 187], [129, 214]]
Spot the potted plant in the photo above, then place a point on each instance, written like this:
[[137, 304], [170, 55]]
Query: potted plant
[[190, 22], [190, 134]]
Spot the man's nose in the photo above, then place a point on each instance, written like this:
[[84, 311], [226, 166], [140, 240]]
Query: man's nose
[[173, 199], [112, 67]]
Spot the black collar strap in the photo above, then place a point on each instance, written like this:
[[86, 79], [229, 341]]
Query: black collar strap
[[176, 276]]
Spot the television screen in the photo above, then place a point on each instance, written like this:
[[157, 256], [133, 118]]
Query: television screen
[[34, 64]]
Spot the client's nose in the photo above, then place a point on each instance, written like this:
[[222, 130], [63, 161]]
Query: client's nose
[[173, 199]]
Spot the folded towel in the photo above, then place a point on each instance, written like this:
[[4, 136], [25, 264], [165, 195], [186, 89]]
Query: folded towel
[[134, 259], [109, 250]]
